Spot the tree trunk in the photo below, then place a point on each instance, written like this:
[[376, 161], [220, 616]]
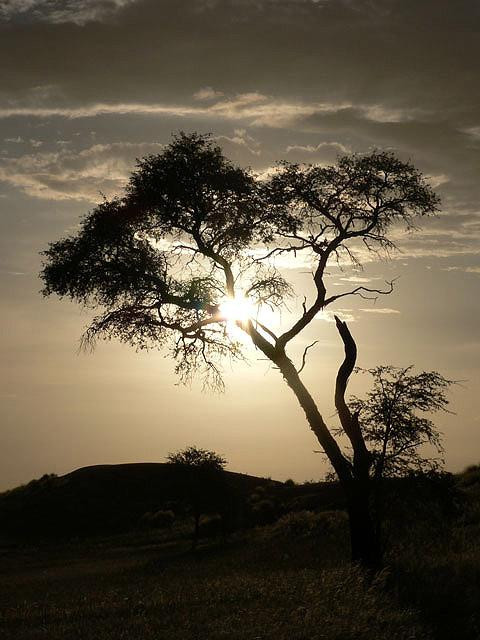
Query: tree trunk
[[365, 543], [196, 531]]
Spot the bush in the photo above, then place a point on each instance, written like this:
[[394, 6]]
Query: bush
[[470, 477], [263, 512], [162, 519], [211, 526], [298, 524]]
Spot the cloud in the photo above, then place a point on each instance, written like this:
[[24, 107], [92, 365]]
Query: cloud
[[438, 181], [243, 139], [207, 93], [78, 12], [99, 109], [255, 108], [345, 315], [474, 132], [465, 269], [353, 52], [309, 148], [68, 174], [358, 279], [19, 140], [382, 311]]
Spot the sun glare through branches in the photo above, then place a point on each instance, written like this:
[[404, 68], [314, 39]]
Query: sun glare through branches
[[237, 310]]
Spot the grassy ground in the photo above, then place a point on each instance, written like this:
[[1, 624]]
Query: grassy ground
[[255, 587], [290, 580]]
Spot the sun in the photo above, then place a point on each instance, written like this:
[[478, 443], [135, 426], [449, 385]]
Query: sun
[[238, 309]]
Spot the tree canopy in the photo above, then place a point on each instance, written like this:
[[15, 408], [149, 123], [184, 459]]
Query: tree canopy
[[195, 458], [395, 419], [192, 230]]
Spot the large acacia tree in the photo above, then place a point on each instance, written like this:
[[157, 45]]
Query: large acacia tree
[[193, 238]]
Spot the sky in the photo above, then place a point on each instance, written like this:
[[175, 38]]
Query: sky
[[89, 86]]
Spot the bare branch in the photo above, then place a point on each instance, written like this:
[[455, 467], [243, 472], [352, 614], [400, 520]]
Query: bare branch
[[361, 291], [304, 357], [267, 331]]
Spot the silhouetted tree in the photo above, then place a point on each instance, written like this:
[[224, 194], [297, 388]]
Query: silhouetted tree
[[195, 458], [186, 237], [201, 483], [394, 420], [395, 424]]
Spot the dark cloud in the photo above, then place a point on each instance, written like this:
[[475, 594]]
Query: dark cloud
[[59, 11], [388, 52]]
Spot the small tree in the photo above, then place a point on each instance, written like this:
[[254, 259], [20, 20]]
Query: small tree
[[197, 459], [188, 249], [396, 426], [394, 419], [200, 482]]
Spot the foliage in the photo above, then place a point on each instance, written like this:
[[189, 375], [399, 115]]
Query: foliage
[[162, 519], [195, 458], [300, 524], [211, 525], [471, 476], [263, 511], [360, 197], [160, 260], [394, 421]]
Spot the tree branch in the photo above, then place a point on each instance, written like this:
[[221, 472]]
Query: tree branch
[[349, 421], [304, 357], [359, 291]]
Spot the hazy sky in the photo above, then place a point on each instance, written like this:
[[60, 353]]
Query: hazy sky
[[88, 86]]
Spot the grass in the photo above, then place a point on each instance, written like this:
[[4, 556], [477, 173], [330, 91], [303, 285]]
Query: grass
[[237, 591]]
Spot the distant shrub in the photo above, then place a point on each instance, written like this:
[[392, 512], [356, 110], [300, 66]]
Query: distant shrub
[[290, 483], [471, 476], [162, 519], [264, 512], [211, 526], [297, 524], [332, 521]]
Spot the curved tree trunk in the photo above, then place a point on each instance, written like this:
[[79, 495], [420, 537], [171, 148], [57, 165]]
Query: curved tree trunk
[[353, 476]]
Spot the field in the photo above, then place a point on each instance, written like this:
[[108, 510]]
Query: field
[[291, 579]]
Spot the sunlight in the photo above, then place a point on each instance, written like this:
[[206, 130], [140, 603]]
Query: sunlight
[[238, 309]]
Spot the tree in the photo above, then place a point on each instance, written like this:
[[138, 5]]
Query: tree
[[394, 420], [195, 458], [395, 426], [179, 257], [200, 482]]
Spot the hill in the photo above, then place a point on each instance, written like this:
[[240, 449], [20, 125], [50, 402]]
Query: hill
[[113, 498]]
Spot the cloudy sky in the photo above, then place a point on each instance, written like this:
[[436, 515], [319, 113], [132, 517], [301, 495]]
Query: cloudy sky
[[88, 86]]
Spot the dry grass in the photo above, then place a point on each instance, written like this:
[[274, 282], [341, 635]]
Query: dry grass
[[234, 592]]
